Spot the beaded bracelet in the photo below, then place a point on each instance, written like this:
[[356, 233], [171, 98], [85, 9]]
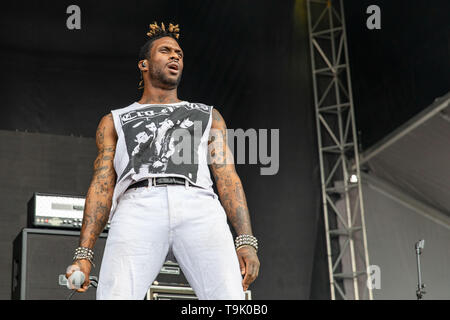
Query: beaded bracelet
[[246, 239], [84, 253]]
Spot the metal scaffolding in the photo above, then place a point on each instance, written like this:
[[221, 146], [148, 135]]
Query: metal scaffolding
[[342, 200]]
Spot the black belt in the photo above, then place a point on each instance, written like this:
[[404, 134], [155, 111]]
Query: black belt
[[160, 181]]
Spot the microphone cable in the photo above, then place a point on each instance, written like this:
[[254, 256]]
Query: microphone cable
[[92, 283]]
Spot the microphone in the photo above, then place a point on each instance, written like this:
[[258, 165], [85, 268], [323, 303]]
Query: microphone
[[76, 279]]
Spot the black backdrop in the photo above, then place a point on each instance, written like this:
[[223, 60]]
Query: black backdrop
[[399, 70], [248, 58], [239, 54], [237, 57]]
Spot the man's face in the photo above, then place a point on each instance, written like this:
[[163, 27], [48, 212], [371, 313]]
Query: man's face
[[166, 63]]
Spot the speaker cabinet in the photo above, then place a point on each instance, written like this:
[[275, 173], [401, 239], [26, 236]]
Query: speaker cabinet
[[40, 256]]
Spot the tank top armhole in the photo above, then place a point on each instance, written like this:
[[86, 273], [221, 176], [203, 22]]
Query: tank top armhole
[[114, 116], [210, 118]]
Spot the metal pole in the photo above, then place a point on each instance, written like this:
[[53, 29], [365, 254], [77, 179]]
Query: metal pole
[[420, 286], [322, 174], [337, 144], [355, 148]]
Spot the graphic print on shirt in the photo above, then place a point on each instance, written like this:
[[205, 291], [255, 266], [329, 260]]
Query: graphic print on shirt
[[150, 140]]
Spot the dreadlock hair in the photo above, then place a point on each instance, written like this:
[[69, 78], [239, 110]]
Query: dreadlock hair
[[157, 32]]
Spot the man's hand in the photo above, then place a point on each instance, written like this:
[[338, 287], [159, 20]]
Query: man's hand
[[85, 267], [249, 264]]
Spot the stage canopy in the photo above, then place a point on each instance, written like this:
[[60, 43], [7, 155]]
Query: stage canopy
[[416, 156], [406, 188]]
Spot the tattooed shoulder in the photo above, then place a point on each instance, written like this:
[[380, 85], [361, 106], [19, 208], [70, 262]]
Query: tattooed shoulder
[[217, 117], [106, 133]]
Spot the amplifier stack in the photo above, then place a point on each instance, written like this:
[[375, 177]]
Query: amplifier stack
[[56, 211], [41, 254]]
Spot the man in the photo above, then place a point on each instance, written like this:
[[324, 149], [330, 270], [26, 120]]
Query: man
[[152, 211]]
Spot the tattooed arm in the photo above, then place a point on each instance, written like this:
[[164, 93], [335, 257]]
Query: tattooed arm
[[231, 194], [99, 196]]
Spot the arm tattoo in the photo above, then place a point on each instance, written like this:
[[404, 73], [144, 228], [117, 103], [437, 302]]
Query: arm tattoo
[[99, 196], [229, 185]]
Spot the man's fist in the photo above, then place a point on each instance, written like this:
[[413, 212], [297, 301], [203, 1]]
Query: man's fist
[[84, 266], [249, 264]]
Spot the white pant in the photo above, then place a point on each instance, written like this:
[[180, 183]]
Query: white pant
[[149, 220]]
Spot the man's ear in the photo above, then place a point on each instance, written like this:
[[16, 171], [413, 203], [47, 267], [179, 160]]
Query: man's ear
[[143, 65]]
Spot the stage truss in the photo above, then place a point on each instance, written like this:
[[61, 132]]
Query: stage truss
[[342, 200]]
